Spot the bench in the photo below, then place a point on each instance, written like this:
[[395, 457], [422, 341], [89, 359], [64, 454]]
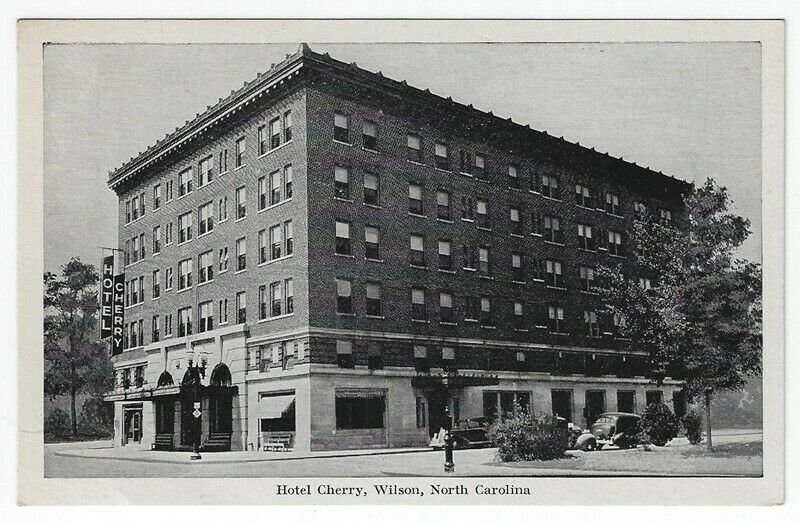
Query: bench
[[163, 442], [276, 441]]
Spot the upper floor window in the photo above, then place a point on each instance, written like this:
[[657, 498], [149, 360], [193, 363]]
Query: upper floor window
[[645, 283], [343, 238], [205, 216], [341, 184], [484, 266], [206, 171], [371, 189], [482, 210], [168, 190], [157, 196], [517, 267], [374, 299], [619, 325], [241, 254], [288, 182], [486, 312], [513, 176], [519, 316], [372, 248], [415, 199], [287, 126], [516, 221], [288, 234], [276, 299], [185, 182], [612, 203], [223, 208], [205, 315], [276, 242], [414, 148], [184, 227], [262, 140], [480, 166], [156, 239], [344, 296], [205, 262], [615, 243], [554, 276], [223, 259], [223, 161], [241, 202], [184, 274], [275, 133], [639, 207], [442, 161], [241, 308], [555, 316], [184, 321], [583, 196], [552, 229], [168, 234], [590, 323], [417, 252], [464, 165], [585, 237], [445, 255], [168, 278], [467, 209], [370, 136], [587, 278], [443, 205], [419, 311], [550, 187], [241, 148], [341, 128], [275, 187], [446, 307]]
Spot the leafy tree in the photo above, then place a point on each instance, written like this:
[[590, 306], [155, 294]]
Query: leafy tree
[[75, 362], [700, 320]]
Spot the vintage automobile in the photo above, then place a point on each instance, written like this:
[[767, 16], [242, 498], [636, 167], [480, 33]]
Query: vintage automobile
[[576, 437], [616, 428], [466, 433]]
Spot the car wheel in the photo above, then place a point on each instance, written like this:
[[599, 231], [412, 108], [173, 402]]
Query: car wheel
[[591, 445]]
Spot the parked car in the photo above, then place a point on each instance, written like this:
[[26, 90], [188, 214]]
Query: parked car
[[619, 429], [466, 433], [577, 438]]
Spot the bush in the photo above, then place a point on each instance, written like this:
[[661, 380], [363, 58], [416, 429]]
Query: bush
[[96, 419], [57, 425], [693, 427], [521, 436], [659, 425]]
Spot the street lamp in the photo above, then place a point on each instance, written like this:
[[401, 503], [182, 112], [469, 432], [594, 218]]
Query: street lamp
[[449, 465], [195, 373]]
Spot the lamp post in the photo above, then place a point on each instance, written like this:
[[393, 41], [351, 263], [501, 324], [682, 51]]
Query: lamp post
[[449, 466], [195, 373]]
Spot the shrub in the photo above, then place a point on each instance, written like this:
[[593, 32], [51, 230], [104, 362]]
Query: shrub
[[659, 425], [57, 425], [521, 436], [96, 419], [693, 427]]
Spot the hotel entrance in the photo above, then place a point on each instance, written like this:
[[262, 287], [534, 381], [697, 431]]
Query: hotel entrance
[[132, 430]]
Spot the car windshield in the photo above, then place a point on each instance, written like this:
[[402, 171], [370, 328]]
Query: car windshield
[[604, 420]]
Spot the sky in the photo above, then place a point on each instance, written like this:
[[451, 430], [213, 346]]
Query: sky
[[691, 110]]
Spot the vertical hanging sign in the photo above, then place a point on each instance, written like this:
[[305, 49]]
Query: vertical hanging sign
[[107, 298], [117, 339]]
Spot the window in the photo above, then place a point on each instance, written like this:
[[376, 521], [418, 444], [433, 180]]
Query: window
[[275, 133], [275, 187], [639, 207], [372, 243], [414, 148], [241, 148], [583, 196], [223, 208], [419, 311], [288, 181], [470, 258], [480, 167], [157, 196], [156, 239], [555, 316], [464, 165], [262, 193], [155, 331], [370, 136], [552, 230], [168, 190], [445, 255], [415, 200], [587, 278], [446, 307], [241, 308], [276, 242], [184, 321], [184, 274], [554, 276], [482, 211], [441, 159], [206, 171], [483, 261], [276, 299], [513, 176], [374, 300], [168, 325], [371, 189], [222, 308], [550, 187], [417, 253], [205, 216], [344, 296], [289, 290], [223, 259], [645, 283], [448, 359], [471, 307], [615, 243], [585, 237], [486, 312], [206, 263], [375, 356], [185, 182], [666, 217], [156, 284], [184, 227], [516, 222], [142, 249], [612, 203], [519, 316], [344, 354], [619, 324], [517, 267], [355, 413], [341, 183], [287, 126], [241, 254], [168, 278], [205, 315], [343, 238], [590, 323], [168, 234], [223, 161], [241, 202], [503, 403], [443, 205], [127, 212], [467, 211], [421, 362], [288, 232], [262, 140], [341, 128]]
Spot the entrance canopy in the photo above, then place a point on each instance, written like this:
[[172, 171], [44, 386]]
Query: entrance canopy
[[453, 380], [274, 406]]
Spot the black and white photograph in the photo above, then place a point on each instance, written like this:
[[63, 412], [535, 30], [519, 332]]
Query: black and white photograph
[[468, 259]]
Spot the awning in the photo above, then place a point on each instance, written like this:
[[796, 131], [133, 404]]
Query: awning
[[273, 406]]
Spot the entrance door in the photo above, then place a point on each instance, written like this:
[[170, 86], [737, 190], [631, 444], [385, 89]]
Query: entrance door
[[436, 417], [626, 401], [133, 425], [165, 416], [562, 403], [595, 405], [220, 410]]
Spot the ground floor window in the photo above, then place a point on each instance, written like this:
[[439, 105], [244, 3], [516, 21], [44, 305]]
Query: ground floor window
[[276, 412], [496, 403], [654, 397], [562, 403], [355, 412], [626, 401]]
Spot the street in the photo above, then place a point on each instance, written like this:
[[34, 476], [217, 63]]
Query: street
[[738, 454]]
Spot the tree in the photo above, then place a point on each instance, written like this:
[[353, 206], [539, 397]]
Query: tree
[[700, 319], [75, 362]]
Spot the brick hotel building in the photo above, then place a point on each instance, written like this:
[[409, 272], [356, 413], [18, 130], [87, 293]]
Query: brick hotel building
[[344, 255]]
